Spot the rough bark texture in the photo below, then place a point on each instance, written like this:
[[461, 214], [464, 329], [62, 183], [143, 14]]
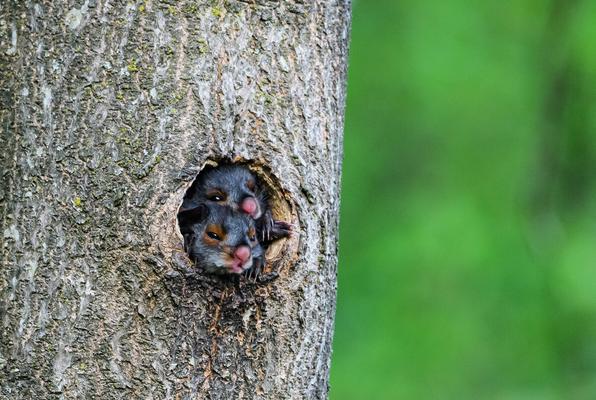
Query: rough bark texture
[[109, 110]]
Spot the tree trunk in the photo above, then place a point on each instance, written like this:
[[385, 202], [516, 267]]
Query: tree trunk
[[109, 110]]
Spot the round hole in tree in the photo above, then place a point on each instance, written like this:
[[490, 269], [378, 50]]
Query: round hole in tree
[[236, 218]]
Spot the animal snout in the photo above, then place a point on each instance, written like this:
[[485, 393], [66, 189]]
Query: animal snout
[[242, 253], [249, 205]]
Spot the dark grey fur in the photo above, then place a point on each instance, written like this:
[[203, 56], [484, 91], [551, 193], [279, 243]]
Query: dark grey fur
[[230, 179], [236, 225]]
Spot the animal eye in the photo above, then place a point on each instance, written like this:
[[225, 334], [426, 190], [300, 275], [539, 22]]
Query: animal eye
[[213, 235], [252, 238], [216, 195], [250, 185]]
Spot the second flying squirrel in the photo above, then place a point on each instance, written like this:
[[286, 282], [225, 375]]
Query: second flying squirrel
[[221, 240], [222, 202]]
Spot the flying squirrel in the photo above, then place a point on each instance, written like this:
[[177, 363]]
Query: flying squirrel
[[220, 239]]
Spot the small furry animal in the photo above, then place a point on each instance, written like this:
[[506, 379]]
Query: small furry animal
[[220, 239], [235, 186]]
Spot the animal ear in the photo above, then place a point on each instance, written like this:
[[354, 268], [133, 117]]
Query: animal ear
[[192, 216]]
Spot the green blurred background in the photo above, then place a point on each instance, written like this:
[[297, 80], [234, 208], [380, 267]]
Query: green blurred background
[[468, 223]]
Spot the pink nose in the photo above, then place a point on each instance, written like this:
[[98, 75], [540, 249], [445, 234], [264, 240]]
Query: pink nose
[[242, 253], [249, 205]]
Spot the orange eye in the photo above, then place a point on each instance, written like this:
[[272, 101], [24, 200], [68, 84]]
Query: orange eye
[[213, 235]]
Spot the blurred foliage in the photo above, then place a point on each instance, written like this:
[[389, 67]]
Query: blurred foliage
[[468, 223]]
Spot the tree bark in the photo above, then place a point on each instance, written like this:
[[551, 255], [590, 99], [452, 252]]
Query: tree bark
[[109, 110]]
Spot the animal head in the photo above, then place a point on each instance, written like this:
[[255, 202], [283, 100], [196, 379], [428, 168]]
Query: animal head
[[220, 239], [230, 185]]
